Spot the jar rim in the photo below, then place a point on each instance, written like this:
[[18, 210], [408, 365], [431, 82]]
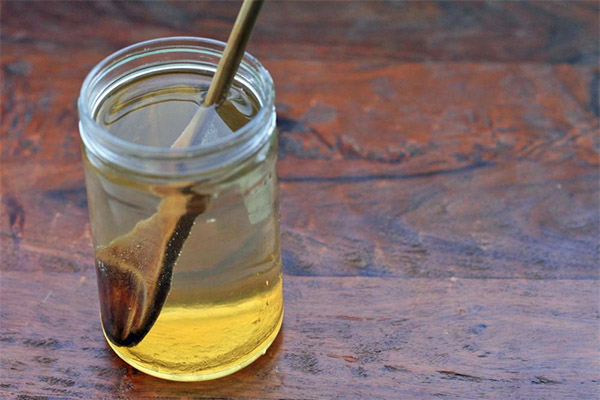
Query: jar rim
[[87, 103]]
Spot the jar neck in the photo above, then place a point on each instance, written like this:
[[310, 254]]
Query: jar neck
[[179, 53]]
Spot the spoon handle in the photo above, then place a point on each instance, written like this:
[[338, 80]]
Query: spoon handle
[[234, 51]]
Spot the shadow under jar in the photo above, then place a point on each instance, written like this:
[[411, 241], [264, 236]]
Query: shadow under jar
[[186, 240]]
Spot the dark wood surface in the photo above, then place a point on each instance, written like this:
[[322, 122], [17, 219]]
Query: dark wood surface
[[439, 186]]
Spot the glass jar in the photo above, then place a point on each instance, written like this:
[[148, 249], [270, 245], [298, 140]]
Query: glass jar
[[186, 240]]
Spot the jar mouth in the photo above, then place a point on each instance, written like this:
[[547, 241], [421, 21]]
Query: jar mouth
[[181, 51]]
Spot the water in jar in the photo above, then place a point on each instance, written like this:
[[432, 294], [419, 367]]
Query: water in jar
[[224, 305]]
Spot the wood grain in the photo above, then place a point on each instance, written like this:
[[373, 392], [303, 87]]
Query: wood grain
[[439, 185], [389, 31], [342, 338]]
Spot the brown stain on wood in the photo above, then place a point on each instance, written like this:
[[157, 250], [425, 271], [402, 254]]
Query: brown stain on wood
[[449, 246], [16, 217]]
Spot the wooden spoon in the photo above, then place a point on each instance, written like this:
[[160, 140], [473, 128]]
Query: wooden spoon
[[135, 270], [226, 70]]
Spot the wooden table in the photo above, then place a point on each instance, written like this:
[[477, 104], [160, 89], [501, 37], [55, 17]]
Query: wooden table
[[439, 197]]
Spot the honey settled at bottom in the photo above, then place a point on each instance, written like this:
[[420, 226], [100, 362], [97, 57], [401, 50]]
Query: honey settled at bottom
[[212, 339]]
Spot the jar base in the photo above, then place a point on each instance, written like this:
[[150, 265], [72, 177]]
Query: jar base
[[197, 377]]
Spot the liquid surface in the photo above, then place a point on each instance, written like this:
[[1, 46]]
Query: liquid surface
[[156, 109], [225, 303]]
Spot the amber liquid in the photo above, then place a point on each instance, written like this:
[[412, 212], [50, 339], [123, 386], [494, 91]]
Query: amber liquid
[[225, 304]]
